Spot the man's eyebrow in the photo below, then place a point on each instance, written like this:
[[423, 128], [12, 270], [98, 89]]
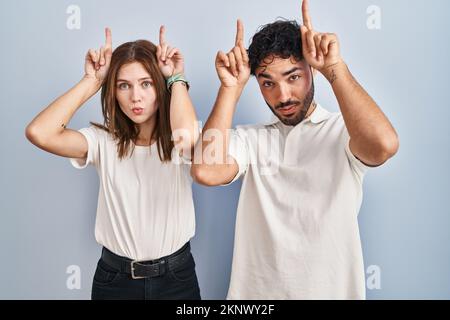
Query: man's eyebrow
[[291, 71], [264, 75], [268, 76]]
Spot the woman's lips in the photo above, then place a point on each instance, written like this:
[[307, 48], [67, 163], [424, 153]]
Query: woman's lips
[[137, 111]]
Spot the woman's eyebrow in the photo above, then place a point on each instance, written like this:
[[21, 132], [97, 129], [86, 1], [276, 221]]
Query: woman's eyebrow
[[124, 80]]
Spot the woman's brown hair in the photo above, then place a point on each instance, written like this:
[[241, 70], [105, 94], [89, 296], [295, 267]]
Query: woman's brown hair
[[122, 128]]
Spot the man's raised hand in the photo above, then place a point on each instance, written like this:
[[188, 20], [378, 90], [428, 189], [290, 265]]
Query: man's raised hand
[[233, 68], [320, 50]]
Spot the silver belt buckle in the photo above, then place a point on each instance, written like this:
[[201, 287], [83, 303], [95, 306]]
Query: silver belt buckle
[[132, 270]]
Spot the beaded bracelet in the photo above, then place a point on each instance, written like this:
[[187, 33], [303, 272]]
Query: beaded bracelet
[[175, 78]]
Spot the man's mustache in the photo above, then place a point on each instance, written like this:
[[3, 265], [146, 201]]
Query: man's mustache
[[286, 104]]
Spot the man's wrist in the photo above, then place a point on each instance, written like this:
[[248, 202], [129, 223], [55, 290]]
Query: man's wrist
[[334, 71], [232, 91]]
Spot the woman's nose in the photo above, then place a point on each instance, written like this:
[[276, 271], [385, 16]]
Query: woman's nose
[[135, 95]]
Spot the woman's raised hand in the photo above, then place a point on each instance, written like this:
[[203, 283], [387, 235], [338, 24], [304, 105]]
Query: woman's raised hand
[[170, 60], [97, 61]]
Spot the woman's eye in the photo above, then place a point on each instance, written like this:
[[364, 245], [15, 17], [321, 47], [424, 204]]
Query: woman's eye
[[146, 84], [123, 86]]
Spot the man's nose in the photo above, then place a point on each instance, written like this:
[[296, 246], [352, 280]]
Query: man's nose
[[284, 93]]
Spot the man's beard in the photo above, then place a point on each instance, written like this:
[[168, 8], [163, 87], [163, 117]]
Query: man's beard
[[304, 107]]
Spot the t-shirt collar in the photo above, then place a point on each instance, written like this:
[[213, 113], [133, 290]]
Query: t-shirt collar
[[317, 116]]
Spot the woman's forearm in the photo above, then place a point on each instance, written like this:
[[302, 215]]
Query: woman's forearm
[[183, 119], [54, 118]]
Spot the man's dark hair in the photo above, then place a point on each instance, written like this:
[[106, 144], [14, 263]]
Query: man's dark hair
[[280, 38]]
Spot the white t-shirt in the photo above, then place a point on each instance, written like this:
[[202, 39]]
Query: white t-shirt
[[297, 233], [145, 208]]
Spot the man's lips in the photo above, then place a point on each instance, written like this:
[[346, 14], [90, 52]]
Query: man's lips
[[288, 109]]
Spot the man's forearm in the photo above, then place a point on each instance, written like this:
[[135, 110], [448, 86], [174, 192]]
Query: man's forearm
[[221, 118], [368, 127]]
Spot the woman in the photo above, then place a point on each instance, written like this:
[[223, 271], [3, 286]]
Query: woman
[[145, 214]]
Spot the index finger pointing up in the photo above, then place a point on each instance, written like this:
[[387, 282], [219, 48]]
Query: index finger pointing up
[[305, 14], [239, 32], [108, 42], [162, 38]]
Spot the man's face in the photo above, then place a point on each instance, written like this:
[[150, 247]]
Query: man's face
[[287, 86]]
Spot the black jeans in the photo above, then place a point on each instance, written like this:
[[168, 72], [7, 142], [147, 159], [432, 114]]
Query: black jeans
[[178, 283]]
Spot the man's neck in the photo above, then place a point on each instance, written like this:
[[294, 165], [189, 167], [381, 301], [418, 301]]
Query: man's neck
[[311, 109]]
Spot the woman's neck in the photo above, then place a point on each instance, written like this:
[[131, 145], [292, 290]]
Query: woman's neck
[[145, 132]]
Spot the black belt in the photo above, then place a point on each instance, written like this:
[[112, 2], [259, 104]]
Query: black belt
[[149, 268]]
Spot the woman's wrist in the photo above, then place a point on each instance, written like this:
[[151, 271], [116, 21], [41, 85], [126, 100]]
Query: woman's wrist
[[92, 81], [178, 77], [91, 85]]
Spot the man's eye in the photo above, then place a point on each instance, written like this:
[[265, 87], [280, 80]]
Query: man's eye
[[295, 77], [267, 84], [123, 86]]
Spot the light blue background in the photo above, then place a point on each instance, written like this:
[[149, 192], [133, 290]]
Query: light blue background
[[48, 207]]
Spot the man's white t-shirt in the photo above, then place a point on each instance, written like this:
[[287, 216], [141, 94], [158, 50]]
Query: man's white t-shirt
[[297, 234], [145, 208]]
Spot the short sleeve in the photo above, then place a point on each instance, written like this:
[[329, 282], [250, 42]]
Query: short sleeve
[[185, 156], [92, 136], [356, 164], [238, 149], [181, 157]]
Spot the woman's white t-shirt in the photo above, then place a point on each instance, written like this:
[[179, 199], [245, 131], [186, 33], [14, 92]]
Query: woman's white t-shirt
[[145, 208]]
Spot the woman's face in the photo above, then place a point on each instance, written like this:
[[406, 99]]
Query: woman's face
[[136, 93]]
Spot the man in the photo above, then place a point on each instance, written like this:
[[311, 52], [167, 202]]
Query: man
[[297, 232]]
